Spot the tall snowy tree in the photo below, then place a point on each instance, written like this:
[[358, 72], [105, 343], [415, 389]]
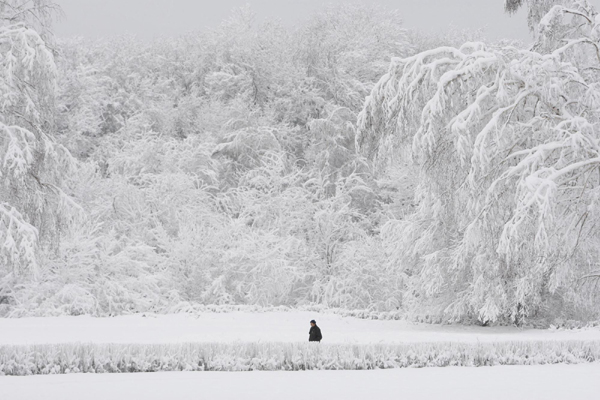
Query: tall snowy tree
[[33, 207], [507, 144]]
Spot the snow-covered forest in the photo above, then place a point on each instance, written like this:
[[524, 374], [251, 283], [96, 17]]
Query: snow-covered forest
[[345, 162]]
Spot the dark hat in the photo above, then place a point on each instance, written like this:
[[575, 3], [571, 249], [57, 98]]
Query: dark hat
[[312, 321]]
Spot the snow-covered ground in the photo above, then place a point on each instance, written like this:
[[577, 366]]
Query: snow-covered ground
[[547, 382], [500, 382], [259, 327]]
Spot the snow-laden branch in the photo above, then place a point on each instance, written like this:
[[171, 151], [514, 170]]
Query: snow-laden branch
[[507, 141]]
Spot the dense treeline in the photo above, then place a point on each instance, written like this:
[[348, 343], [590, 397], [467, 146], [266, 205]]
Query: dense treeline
[[227, 167], [217, 167]]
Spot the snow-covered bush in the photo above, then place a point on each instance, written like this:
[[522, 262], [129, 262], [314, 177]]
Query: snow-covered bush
[[126, 358]]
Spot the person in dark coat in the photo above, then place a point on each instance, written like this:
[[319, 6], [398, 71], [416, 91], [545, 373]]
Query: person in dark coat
[[314, 334]]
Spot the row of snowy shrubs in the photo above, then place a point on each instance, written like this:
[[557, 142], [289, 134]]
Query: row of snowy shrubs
[[119, 358]]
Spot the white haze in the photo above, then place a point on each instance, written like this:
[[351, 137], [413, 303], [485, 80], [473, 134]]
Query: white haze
[[150, 18]]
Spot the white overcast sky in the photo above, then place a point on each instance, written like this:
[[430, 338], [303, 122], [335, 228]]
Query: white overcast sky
[[149, 18]]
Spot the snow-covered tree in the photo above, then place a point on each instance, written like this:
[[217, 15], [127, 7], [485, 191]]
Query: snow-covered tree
[[537, 9], [33, 207], [507, 144], [346, 48]]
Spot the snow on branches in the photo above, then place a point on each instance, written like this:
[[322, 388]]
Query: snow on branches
[[18, 239], [32, 165], [508, 145]]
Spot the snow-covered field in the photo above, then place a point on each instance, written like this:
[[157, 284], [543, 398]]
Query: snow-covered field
[[260, 327], [547, 382], [561, 381]]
